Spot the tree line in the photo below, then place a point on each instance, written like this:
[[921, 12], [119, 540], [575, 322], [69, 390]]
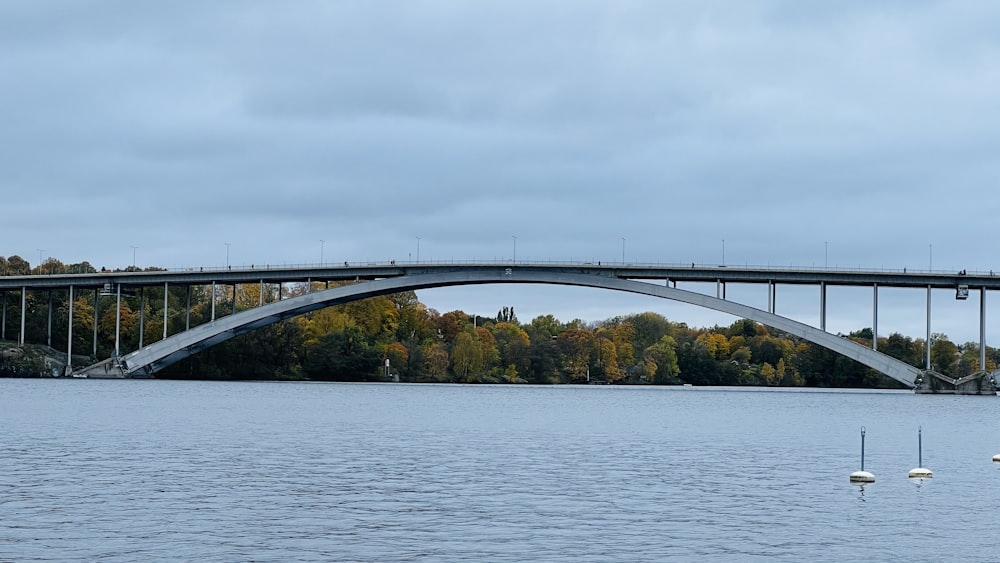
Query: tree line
[[396, 337]]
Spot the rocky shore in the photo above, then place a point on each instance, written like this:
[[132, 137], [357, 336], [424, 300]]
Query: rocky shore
[[34, 360]]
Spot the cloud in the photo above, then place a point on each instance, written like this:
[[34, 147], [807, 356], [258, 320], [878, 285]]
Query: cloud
[[855, 134]]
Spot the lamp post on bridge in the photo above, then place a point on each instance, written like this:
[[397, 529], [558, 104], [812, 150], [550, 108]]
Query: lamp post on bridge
[[133, 254], [514, 255], [418, 249], [321, 243], [623, 251], [40, 251], [227, 255]]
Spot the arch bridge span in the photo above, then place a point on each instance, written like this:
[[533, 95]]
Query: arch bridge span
[[150, 359]]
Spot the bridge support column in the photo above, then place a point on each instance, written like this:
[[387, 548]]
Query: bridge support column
[[142, 314], [822, 306], [213, 300], [260, 294], [982, 328], [875, 316], [118, 321], [928, 341], [166, 294], [24, 307], [48, 330], [69, 337], [3, 329], [96, 302], [187, 310]]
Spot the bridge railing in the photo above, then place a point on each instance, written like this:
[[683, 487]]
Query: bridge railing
[[500, 261]]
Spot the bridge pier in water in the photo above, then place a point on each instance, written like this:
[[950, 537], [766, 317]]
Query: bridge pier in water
[[979, 383]]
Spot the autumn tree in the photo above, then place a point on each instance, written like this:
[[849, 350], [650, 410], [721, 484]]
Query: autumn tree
[[575, 345], [663, 356]]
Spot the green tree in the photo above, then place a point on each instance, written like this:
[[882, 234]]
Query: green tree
[[467, 356], [944, 355], [342, 356], [663, 356]]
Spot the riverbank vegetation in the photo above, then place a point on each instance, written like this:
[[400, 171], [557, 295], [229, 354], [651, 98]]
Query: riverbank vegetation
[[396, 337]]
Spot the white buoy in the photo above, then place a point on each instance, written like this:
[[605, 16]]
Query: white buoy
[[920, 472], [862, 476], [996, 458]]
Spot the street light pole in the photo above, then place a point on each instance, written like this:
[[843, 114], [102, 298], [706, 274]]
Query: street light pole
[[418, 249], [227, 255], [623, 251], [133, 254], [723, 252], [321, 243], [826, 254], [931, 257], [514, 256]]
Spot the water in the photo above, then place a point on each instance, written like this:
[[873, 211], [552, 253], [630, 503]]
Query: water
[[165, 470]]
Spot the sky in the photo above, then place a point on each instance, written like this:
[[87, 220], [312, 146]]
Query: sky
[[851, 134]]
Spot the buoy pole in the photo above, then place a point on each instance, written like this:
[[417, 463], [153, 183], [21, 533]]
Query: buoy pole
[[920, 472], [862, 476], [920, 446], [862, 448]]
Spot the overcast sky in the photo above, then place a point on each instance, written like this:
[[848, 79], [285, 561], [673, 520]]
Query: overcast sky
[[841, 134]]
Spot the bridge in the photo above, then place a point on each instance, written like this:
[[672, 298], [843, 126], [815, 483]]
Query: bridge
[[372, 279]]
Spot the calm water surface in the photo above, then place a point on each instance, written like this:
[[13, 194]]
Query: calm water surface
[[165, 470]]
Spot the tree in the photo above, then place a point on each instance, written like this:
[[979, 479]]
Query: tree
[[607, 358], [575, 345], [467, 356], [506, 315], [18, 266], [512, 344], [434, 365], [944, 355], [398, 356], [342, 356], [547, 325], [450, 324], [663, 355], [902, 348], [624, 334], [716, 344], [649, 329]]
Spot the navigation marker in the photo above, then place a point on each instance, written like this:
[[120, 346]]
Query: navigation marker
[[996, 458], [862, 476], [920, 472]]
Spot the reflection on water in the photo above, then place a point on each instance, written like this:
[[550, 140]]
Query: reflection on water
[[138, 470]]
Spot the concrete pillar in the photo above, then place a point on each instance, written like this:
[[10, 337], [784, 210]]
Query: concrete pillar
[[822, 306], [97, 296], [875, 317], [166, 302], [69, 337], [928, 341], [118, 321], [24, 308], [142, 314], [48, 331], [982, 329]]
